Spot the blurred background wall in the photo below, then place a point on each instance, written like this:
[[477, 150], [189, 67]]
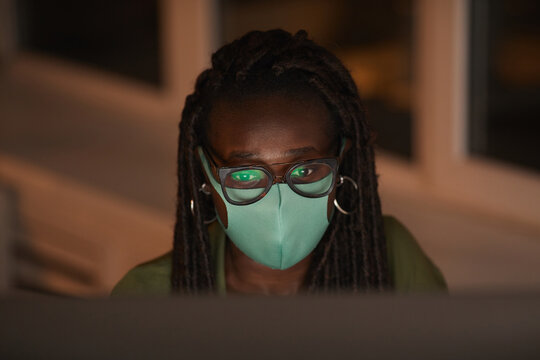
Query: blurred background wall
[[91, 94]]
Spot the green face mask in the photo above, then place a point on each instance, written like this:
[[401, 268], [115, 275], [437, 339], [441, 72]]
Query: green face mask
[[277, 231]]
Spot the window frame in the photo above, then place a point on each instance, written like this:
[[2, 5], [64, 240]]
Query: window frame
[[177, 32], [443, 169]]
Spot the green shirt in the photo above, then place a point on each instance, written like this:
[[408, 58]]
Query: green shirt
[[410, 268]]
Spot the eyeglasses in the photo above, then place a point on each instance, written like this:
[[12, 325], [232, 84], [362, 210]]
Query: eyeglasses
[[244, 185]]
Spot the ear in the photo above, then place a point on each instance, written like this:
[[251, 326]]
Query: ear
[[219, 204]]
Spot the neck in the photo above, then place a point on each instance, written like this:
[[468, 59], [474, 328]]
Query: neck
[[243, 275]]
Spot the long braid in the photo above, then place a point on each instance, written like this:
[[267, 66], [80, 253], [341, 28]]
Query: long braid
[[192, 269], [352, 254]]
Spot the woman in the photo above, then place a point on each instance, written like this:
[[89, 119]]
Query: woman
[[277, 191]]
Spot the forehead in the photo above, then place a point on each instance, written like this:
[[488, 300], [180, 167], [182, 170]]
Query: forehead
[[269, 126]]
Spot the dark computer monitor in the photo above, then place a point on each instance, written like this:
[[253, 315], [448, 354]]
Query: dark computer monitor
[[346, 327]]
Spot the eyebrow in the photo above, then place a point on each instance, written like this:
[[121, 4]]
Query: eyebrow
[[290, 152]]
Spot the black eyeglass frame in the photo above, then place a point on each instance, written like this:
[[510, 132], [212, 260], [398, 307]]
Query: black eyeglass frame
[[223, 171]]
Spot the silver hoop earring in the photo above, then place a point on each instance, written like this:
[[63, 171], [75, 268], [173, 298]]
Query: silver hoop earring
[[205, 190], [192, 207], [207, 222], [342, 178]]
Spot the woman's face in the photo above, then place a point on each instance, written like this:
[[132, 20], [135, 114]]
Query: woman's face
[[269, 130]]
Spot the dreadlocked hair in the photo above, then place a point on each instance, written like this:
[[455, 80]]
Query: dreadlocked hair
[[351, 256]]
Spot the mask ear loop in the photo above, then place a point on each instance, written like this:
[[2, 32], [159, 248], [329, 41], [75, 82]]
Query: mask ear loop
[[204, 190], [342, 147]]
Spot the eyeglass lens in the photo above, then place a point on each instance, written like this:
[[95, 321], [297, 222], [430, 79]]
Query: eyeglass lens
[[246, 184], [312, 179]]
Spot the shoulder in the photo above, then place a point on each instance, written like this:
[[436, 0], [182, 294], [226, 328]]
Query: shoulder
[[152, 277], [410, 268]]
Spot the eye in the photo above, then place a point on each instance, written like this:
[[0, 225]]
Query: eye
[[246, 175], [301, 172]]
